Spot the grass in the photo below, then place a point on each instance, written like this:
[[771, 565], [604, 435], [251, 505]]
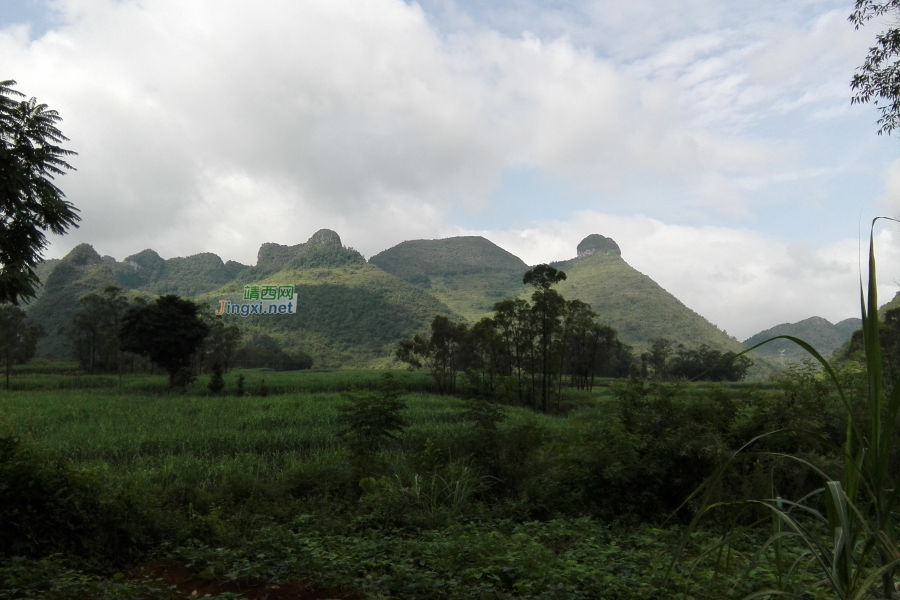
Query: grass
[[846, 529]]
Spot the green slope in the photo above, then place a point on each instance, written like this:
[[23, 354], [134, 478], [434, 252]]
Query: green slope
[[818, 332], [469, 274], [80, 272], [638, 307], [347, 315]]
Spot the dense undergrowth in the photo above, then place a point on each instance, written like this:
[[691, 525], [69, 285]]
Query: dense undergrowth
[[469, 500]]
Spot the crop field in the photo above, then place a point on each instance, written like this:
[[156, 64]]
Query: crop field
[[157, 494]]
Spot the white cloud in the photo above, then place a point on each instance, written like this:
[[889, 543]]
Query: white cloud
[[330, 111]]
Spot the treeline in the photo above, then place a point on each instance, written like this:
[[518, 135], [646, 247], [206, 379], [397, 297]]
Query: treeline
[[526, 351], [665, 362], [96, 339]]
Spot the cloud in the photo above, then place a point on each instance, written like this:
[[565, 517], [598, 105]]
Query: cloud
[[337, 114], [740, 280]]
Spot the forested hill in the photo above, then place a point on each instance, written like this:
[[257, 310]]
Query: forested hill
[[353, 312], [349, 312], [822, 335], [469, 274], [638, 307]]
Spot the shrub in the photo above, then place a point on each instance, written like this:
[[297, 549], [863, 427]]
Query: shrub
[[371, 418]]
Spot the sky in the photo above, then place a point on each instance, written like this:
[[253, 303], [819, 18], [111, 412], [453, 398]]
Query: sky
[[714, 140]]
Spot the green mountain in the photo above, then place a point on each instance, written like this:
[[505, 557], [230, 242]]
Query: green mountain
[[635, 305], [468, 274], [352, 312], [822, 335], [471, 274], [80, 272], [349, 312]]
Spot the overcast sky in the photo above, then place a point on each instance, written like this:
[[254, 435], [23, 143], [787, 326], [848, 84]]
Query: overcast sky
[[713, 140]]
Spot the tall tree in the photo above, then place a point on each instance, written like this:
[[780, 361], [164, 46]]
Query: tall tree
[[167, 331], [441, 352], [30, 203], [548, 306], [95, 329], [18, 337]]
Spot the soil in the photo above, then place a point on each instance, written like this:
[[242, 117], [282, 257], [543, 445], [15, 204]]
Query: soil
[[187, 582]]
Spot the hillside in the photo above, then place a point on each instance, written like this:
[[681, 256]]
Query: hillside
[[349, 313], [822, 335], [80, 272], [468, 274], [639, 308]]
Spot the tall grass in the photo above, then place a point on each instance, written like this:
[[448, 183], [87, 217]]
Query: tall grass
[[841, 540]]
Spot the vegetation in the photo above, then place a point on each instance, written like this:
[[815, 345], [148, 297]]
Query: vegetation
[[30, 202], [167, 331], [845, 528], [18, 337], [663, 362], [816, 331], [457, 498], [878, 79]]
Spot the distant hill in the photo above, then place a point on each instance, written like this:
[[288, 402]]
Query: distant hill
[[80, 272], [352, 312], [822, 335], [349, 312], [468, 274]]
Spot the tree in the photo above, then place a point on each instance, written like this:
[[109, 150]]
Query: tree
[[657, 358], [95, 329], [30, 203], [167, 331], [548, 306], [372, 418], [878, 79], [441, 352], [18, 337]]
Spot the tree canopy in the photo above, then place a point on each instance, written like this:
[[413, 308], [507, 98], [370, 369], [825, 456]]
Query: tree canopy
[[878, 79], [30, 203], [167, 331]]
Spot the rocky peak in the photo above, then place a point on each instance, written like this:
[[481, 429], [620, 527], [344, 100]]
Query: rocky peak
[[324, 237], [595, 243]]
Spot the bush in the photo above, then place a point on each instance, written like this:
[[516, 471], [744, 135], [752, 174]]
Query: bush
[[371, 418], [48, 508]]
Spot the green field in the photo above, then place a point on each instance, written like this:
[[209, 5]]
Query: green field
[[260, 490]]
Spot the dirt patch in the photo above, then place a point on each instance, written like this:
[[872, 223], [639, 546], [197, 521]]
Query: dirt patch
[[190, 584]]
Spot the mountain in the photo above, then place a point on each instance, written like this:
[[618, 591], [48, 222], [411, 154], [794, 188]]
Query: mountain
[[635, 305], [80, 272], [468, 274], [352, 312], [349, 312], [822, 335]]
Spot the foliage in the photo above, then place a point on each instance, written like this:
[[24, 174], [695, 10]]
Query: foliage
[[262, 350], [95, 329], [216, 382], [371, 418], [18, 337], [878, 79], [847, 527], [523, 351], [167, 331], [441, 352], [30, 203]]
